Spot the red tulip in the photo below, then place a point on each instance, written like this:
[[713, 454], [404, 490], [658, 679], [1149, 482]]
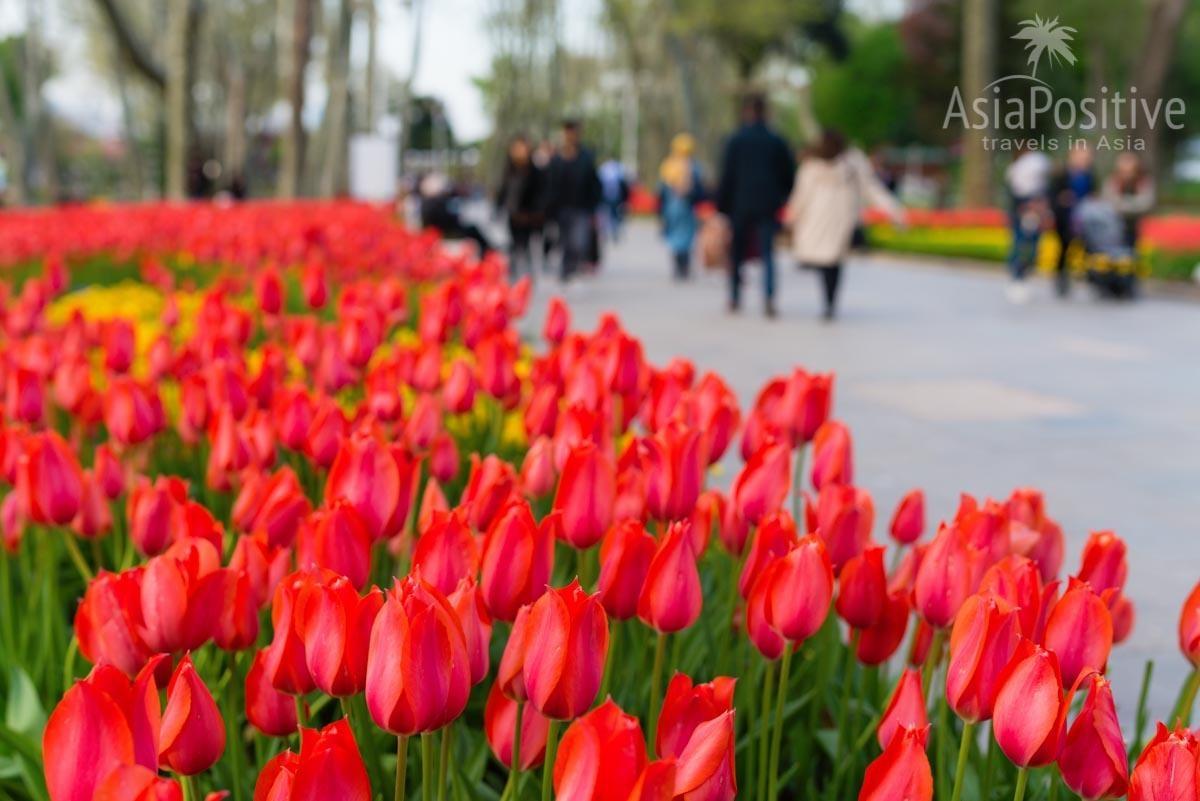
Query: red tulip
[[671, 596], [1080, 631], [877, 643], [985, 636], [86, 720], [806, 402], [132, 413], [908, 521], [763, 484], [845, 517], [446, 552], [833, 455], [601, 756], [192, 737], [179, 591], [284, 659], [947, 575], [236, 629], [586, 491], [538, 474], [334, 624], [862, 589], [51, 479], [95, 517], [1104, 561], [1189, 627], [1030, 708], [800, 591], [365, 474], [716, 415], [467, 601], [489, 486], [312, 282], [775, 536], [24, 396], [695, 729], [328, 766], [516, 560], [150, 509], [1016, 580], [336, 539], [905, 710], [558, 321], [674, 461], [901, 772], [268, 710], [499, 726], [137, 783], [108, 622], [510, 674], [1093, 762], [459, 390], [1167, 768], [108, 472], [418, 668], [567, 643], [325, 433], [625, 557]]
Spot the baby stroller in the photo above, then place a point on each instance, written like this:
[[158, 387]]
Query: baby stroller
[[1101, 252]]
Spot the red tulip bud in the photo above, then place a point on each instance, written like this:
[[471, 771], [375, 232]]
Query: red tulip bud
[[905, 710], [671, 596], [192, 737]]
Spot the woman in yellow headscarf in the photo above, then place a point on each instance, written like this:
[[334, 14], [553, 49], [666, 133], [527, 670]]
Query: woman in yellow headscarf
[[679, 191]]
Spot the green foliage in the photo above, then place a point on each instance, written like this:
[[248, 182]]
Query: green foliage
[[749, 30], [869, 96]]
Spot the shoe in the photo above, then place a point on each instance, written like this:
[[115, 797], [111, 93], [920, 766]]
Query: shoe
[[827, 316], [769, 310], [734, 307]]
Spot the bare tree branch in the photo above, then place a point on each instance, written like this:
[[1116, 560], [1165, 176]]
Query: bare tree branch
[[133, 47]]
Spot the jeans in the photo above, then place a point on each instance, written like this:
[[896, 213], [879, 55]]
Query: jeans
[[761, 233], [520, 257], [575, 240], [1025, 239]]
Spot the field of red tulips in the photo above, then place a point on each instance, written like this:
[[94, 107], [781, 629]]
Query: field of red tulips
[[291, 512]]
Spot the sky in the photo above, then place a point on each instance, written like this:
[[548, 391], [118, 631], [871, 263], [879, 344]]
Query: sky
[[456, 49]]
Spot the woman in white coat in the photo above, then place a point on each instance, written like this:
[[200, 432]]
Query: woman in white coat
[[833, 186]]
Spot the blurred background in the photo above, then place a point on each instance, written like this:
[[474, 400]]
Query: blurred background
[[139, 99]]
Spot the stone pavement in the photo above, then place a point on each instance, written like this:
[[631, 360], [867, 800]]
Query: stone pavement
[[947, 386]]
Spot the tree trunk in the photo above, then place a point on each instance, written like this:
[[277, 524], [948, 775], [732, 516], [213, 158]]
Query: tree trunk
[[133, 157], [13, 144], [979, 66], [235, 124], [292, 160], [370, 88], [1150, 74], [179, 97], [417, 15], [40, 162], [333, 170]]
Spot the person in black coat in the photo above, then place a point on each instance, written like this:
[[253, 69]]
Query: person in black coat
[[521, 199], [756, 178], [573, 195]]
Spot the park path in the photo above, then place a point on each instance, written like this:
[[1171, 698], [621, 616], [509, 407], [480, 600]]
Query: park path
[[947, 386]]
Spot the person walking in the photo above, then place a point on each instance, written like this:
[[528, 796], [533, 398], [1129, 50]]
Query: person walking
[[757, 171], [1130, 190], [573, 193], [834, 184], [614, 192], [1028, 181], [520, 198], [1071, 184], [680, 189]]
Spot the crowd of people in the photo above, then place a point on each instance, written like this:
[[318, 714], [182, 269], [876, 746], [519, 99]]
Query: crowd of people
[[1097, 217], [560, 206]]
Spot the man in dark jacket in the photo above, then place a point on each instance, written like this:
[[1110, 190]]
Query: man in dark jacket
[[573, 194], [756, 178]]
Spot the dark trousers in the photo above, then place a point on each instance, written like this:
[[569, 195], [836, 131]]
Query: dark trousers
[[831, 279], [574, 240], [520, 256], [759, 233], [683, 264]]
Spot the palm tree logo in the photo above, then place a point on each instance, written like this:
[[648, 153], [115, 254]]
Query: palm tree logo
[[1046, 37]]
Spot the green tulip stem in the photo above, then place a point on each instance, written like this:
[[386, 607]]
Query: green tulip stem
[[548, 767], [964, 750], [1187, 699], [1022, 780], [777, 735], [660, 651], [401, 767]]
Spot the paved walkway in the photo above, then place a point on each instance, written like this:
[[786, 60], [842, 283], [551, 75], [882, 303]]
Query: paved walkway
[[947, 386]]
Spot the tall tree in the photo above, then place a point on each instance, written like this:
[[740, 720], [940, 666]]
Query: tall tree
[[293, 151], [337, 109], [1150, 73], [978, 69], [180, 54]]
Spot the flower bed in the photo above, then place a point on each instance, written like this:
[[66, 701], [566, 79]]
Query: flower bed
[[290, 512]]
